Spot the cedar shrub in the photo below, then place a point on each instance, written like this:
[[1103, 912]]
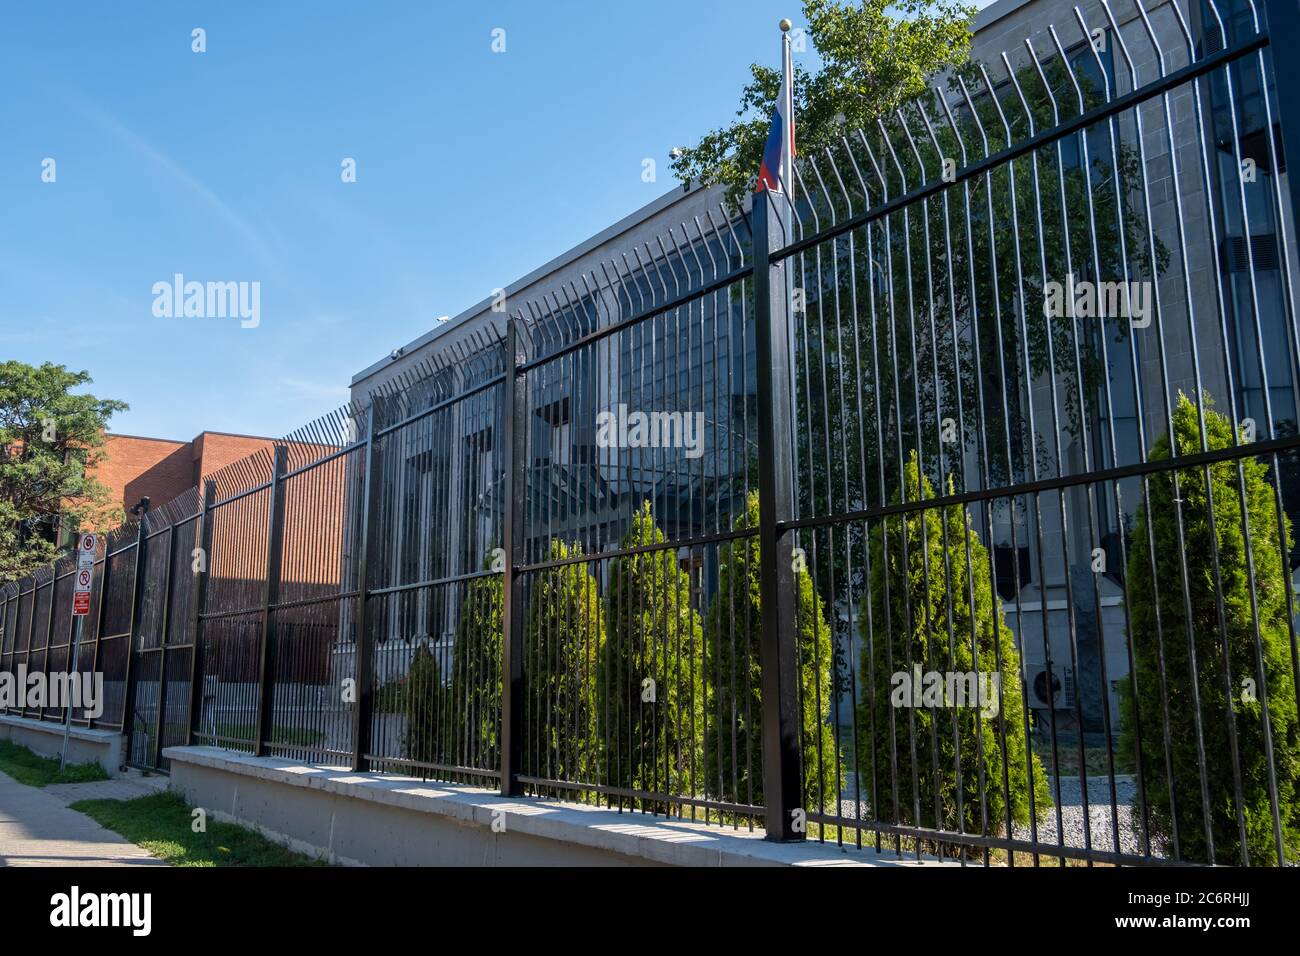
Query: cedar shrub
[[652, 671], [733, 632], [909, 605], [1224, 694]]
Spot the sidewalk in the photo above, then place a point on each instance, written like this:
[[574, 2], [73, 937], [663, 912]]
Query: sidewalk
[[119, 788], [37, 829]]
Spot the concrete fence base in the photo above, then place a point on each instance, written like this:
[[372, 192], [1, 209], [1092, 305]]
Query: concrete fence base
[[383, 820], [104, 747]]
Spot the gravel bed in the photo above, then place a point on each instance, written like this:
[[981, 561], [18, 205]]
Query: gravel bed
[[1100, 815]]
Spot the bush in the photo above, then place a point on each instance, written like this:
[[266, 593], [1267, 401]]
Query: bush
[[733, 632], [563, 642], [474, 726], [909, 607], [390, 697], [421, 697], [1162, 601], [652, 733]]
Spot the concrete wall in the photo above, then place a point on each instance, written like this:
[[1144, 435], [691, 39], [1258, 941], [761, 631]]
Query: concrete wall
[[104, 747], [388, 820]]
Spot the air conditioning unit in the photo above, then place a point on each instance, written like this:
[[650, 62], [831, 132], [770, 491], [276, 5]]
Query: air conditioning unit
[[1058, 695]]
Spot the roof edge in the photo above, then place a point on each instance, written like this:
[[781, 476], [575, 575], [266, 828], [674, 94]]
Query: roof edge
[[628, 222]]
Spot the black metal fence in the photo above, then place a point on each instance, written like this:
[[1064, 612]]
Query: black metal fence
[[947, 511]]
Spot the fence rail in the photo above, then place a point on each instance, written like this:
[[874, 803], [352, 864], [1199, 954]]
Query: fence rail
[[947, 509]]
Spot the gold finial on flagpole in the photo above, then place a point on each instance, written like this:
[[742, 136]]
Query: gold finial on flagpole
[[785, 24]]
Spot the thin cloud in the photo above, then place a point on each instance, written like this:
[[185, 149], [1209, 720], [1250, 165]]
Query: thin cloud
[[219, 207]]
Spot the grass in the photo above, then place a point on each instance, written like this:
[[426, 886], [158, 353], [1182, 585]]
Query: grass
[[37, 771], [162, 824]]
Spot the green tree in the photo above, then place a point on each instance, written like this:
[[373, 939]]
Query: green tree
[[563, 643], [475, 693], [875, 57], [651, 679], [951, 762], [1212, 525], [733, 632], [48, 443]]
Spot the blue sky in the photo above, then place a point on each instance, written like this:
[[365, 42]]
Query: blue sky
[[473, 168]]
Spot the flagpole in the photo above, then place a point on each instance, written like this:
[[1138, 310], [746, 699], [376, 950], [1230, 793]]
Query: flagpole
[[786, 212], [787, 73]]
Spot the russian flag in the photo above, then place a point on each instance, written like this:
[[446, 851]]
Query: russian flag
[[778, 153]]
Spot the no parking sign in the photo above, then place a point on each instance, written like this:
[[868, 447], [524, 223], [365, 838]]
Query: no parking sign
[[86, 547]]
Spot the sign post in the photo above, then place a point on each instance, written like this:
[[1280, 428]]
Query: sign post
[[87, 544]]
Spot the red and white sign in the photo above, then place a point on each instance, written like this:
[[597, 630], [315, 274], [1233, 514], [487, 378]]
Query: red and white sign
[[86, 547]]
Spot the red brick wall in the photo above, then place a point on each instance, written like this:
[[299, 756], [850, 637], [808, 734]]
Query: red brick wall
[[314, 508], [215, 450], [135, 467], [163, 469]]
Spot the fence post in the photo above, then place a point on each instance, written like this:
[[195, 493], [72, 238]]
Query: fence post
[[155, 759], [31, 628], [49, 630], [203, 540], [72, 631], [4, 632], [270, 594], [6, 661], [1283, 22], [101, 612], [515, 415], [133, 631], [778, 650], [365, 699]]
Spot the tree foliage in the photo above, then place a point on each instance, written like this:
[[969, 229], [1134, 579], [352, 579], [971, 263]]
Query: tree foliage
[[49, 439], [931, 603], [1235, 668], [733, 632]]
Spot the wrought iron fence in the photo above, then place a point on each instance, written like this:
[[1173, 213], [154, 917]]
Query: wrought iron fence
[[1047, 364], [947, 510]]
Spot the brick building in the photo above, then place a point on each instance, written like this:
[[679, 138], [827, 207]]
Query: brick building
[[161, 469]]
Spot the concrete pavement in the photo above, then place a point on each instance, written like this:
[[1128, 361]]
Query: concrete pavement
[[126, 787], [38, 829]]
